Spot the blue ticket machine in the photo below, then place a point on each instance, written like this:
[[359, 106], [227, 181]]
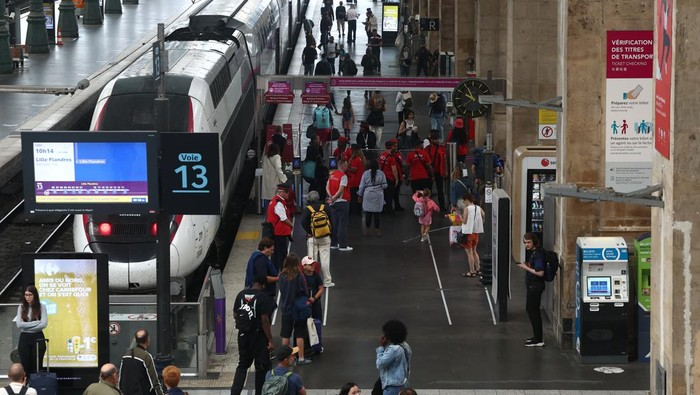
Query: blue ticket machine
[[602, 300]]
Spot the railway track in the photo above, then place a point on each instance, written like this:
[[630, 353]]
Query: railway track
[[21, 233]]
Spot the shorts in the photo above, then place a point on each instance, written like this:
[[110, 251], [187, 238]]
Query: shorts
[[472, 241], [289, 324]]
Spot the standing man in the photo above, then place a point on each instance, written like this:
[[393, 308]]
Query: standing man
[[534, 282], [340, 17], [18, 381], [436, 111], [278, 216], [420, 166], [370, 23], [318, 246], [436, 152], [254, 334], [332, 53], [423, 56], [286, 356], [352, 24], [259, 263], [109, 378], [308, 58], [138, 371], [375, 42], [338, 198]]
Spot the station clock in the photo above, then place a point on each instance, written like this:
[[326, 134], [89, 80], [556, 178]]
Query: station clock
[[466, 98]]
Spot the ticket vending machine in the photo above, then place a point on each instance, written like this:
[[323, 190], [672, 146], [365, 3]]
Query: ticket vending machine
[[642, 250], [602, 300]]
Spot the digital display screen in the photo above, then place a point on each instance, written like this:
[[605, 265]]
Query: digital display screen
[[74, 289], [599, 286], [333, 163], [296, 163], [90, 172], [390, 20]]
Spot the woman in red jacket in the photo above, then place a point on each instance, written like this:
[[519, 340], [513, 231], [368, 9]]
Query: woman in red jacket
[[355, 169], [460, 135]]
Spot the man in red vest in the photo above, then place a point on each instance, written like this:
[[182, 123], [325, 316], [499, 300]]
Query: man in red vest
[[339, 200], [390, 165], [436, 152], [278, 215], [421, 168]]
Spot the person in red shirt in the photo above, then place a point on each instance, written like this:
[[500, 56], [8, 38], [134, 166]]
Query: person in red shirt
[[339, 200], [279, 216], [343, 150], [420, 167], [356, 166], [437, 155], [392, 170], [460, 135]]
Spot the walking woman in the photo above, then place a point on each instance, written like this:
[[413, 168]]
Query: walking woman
[[292, 286], [31, 319], [371, 194], [273, 174]]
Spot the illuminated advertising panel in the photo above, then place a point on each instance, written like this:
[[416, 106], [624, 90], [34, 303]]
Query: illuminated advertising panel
[[79, 172], [73, 287], [390, 18]]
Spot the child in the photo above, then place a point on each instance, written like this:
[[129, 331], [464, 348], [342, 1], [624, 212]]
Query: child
[[314, 283], [429, 206], [348, 116]]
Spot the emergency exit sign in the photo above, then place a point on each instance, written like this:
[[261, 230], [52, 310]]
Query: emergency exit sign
[[429, 24]]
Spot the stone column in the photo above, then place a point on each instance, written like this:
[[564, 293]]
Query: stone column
[[675, 322], [464, 25], [5, 54], [37, 38], [67, 23], [581, 72], [93, 14]]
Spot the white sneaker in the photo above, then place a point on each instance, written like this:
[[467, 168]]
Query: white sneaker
[[423, 239], [329, 285], [347, 248], [334, 247]]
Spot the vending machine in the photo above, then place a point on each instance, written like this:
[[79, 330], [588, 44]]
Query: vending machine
[[642, 250], [602, 300], [533, 166]]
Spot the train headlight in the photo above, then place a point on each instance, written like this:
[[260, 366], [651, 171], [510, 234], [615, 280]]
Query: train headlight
[[104, 229]]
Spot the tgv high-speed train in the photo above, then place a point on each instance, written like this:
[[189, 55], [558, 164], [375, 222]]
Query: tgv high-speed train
[[214, 54]]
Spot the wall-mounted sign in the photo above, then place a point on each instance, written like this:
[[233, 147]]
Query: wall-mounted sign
[[315, 92], [279, 92]]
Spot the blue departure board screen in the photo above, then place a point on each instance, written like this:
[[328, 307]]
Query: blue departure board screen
[[599, 286]]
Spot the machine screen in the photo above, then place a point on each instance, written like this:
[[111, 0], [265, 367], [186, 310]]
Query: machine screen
[[599, 286]]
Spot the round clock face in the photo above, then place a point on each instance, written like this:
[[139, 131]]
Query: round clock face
[[466, 98]]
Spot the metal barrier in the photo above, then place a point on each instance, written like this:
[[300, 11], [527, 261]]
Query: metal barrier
[[192, 323]]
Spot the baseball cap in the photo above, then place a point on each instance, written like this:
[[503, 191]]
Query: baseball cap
[[285, 351], [307, 260], [343, 139], [459, 123]]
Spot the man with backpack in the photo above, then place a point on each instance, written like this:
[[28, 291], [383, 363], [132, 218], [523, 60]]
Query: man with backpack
[[252, 310], [436, 109], [18, 381], [535, 284], [281, 380], [316, 221]]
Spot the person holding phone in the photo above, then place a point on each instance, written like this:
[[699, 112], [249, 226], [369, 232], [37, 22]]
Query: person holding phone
[[534, 281], [31, 320]]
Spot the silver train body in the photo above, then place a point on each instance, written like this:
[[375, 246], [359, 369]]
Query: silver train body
[[214, 55]]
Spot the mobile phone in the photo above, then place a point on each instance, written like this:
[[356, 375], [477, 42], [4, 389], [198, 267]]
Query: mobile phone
[[296, 163], [333, 163]]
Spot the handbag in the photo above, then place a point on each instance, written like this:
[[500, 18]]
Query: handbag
[[308, 169], [461, 238], [313, 334]]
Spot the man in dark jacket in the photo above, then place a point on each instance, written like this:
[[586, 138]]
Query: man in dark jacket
[[138, 371], [260, 263], [323, 67], [366, 139], [308, 58], [319, 248]]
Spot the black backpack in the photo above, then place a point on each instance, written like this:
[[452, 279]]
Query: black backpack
[[551, 265], [245, 315]]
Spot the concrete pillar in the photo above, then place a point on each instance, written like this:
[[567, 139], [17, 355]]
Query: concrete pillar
[[37, 38], [675, 322], [581, 77], [67, 23], [464, 25], [113, 7]]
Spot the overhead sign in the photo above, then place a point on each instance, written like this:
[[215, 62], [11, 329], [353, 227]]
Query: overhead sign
[[190, 182], [395, 83], [279, 92], [547, 125], [429, 24], [315, 92], [629, 110]]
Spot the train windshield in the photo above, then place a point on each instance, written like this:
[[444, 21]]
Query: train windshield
[[135, 112]]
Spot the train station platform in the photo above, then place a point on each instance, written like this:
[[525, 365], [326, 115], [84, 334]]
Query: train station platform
[[458, 347]]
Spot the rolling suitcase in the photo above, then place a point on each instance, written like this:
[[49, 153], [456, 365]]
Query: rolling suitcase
[[45, 383]]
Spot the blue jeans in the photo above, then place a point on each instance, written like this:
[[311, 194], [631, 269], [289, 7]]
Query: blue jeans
[[436, 122], [309, 69], [339, 221]]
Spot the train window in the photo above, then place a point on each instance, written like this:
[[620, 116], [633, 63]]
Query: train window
[[135, 112]]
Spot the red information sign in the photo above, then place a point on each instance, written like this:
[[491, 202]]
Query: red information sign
[[630, 53], [315, 92], [279, 92], [288, 153], [662, 73]]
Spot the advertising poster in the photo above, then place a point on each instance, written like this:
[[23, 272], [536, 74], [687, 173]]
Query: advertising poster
[[629, 110], [390, 19], [68, 288], [663, 73]]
